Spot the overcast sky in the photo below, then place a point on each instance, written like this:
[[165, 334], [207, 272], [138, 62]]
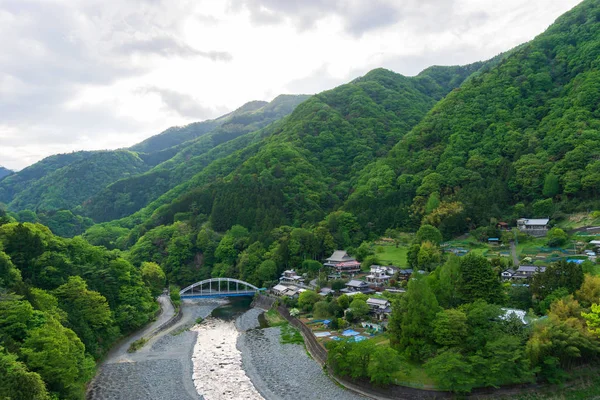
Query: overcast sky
[[104, 74]]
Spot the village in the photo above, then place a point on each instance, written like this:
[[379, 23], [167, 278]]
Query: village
[[353, 300]]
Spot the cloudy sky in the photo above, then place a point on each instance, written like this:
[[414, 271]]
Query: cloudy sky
[[104, 74]]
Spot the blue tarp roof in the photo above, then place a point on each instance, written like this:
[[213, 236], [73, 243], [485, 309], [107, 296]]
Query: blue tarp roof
[[350, 332]]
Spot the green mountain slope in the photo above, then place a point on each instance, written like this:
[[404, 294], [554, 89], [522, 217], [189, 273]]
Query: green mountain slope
[[299, 169], [520, 139], [4, 172], [129, 195], [27, 177], [69, 186], [175, 136]]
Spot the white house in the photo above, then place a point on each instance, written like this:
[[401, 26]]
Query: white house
[[290, 276], [533, 226], [380, 307]]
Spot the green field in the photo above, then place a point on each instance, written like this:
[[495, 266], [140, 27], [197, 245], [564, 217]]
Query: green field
[[392, 255]]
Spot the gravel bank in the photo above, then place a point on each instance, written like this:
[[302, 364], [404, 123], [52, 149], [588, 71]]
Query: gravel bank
[[248, 320], [284, 371], [161, 370]]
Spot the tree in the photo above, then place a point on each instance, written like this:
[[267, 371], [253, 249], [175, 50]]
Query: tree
[[556, 237], [384, 363], [429, 256], [307, 299], [451, 371], [88, 314], [557, 275], [359, 308], [589, 292], [412, 256], [428, 233], [450, 327], [478, 280], [343, 301], [418, 308], [153, 277], [321, 309], [593, 319], [266, 271], [57, 354], [17, 382], [551, 185]]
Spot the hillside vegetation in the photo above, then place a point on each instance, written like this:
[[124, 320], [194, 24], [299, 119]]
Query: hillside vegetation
[[128, 195], [520, 139]]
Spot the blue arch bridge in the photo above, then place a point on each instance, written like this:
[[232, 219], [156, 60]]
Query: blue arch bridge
[[219, 287]]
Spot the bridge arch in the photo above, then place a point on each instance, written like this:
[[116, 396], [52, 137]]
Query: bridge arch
[[219, 287]]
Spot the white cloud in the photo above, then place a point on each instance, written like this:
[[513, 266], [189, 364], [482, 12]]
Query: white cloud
[[93, 74]]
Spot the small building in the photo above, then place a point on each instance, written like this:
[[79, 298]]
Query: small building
[[378, 276], [503, 226], [494, 241], [279, 290], [381, 308], [356, 286], [596, 243], [533, 226], [508, 274], [527, 271], [290, 276], [342, 262], [326, 292], [404, 274], [348, 267]]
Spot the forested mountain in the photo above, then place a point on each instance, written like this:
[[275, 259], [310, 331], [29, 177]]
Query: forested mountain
[[63, 303], [131, 194], [63, 183], [68, 186], [519, 139], [4, 172], [302, 167], [177, 135], [28, 177]]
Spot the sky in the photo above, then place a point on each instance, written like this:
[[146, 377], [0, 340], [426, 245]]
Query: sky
[[106, 74]]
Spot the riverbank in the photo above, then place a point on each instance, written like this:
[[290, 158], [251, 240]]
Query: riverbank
[[283, 371], [161, 370]]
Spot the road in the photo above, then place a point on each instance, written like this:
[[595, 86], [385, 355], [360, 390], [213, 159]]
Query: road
[[513, 252]]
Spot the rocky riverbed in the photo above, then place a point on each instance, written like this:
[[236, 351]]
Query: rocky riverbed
[[283, 371]]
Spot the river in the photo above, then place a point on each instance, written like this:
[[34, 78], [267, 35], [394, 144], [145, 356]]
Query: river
[[225, 357]]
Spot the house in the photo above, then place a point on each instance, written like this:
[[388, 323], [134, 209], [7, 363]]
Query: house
[[290, 291], [527, 271], [342, 262], [290, 276], [508, 274], [405, 274], [326, 292], [279, 290], [533, 227], [503, 226], [357, 286], [494, 241], [378, 276], [381, 308], [596, 243]]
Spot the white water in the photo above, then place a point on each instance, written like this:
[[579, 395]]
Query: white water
[[218, 373]]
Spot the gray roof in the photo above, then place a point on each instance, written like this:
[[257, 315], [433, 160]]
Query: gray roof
[[340, 256], [356, 283], [378, 302], [535, 221], [530, 268]]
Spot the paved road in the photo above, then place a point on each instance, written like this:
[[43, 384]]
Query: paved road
[[513, 251], [119, 352]]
